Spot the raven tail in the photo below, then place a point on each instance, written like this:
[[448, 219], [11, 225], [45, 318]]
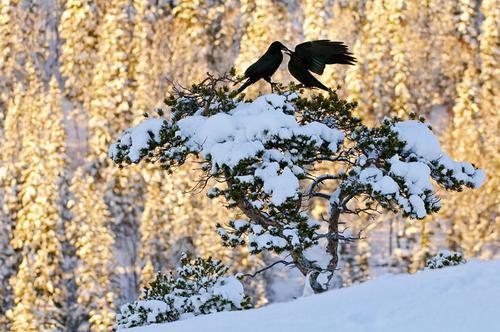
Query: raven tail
[[244, 86], [321, 86]]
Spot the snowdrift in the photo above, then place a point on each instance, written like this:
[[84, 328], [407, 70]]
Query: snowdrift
[[460, 298]]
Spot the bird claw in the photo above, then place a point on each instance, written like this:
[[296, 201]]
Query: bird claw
[[273, 85]]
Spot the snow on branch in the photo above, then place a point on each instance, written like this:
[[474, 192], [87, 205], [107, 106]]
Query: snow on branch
[[252, 131]]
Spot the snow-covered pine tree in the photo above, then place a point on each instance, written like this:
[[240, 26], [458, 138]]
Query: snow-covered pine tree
[[10, 179], [444, 259], [375, 101], [399, 30], [188, 41], [142, 57], [196, 287], [489, 76], [315, 19], [265, 151], [8, 34], [78, 30], [111, 110], [111, 95], [223, 34], [8, 256], [89, 232], [39, 291]]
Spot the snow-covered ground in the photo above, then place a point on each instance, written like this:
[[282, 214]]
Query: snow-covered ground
[[460, 298]]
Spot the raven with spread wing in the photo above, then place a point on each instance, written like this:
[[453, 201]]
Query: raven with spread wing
[[313, 56], [308, 57]]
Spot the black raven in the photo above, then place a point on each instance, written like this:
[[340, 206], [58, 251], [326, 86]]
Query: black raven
[[266, 66], [313, 56]]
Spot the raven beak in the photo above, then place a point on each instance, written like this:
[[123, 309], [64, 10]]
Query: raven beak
[[287, 50]]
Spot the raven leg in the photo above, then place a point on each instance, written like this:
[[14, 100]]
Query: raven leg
[[268, 80]]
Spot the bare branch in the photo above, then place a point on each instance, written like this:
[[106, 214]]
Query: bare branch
[[319, 180], [320, 195], [253, 275]]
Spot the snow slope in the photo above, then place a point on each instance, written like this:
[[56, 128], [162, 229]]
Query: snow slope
[[460, 298]]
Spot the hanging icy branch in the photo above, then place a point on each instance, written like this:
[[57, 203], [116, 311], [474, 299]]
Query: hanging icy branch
[[262, 151]]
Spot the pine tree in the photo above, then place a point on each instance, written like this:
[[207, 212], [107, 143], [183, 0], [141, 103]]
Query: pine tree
[[490, 76], [401, 35], [224, 21], [111, 95], [380, 164], [345, 25], [78, 30], [111, 109], [155, 227], [39, 294], [89, 233], [10, 179], [315, 19], [189, 42], [373, 66], [8, 34], [144, 96]]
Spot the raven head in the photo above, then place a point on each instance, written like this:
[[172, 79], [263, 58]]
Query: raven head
[[275, 46]]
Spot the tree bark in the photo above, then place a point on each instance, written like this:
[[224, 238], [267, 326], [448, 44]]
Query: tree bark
[[333, 240]]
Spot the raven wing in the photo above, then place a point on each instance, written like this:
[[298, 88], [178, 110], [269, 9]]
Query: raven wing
[[298, 70], [265, 66], [318, 53]]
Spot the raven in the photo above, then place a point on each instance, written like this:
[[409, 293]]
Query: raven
[[314, 56], [266, 66]]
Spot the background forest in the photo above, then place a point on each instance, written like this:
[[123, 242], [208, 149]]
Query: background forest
[[78, 236]]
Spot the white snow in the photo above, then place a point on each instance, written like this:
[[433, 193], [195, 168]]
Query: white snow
[[138, 137], [460, 298], [152, 307], [380, 183], [281, 186], [231, 289], [463, 171], [421, 142], [419, 139]]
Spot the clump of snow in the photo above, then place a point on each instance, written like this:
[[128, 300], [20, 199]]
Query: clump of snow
[[147, 312], [281, 184], [380, 183], [419, 139], [138, 137], [463, 171], [260, 238], [461, 299], [445, 258], [231, 289], [423, 144]]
